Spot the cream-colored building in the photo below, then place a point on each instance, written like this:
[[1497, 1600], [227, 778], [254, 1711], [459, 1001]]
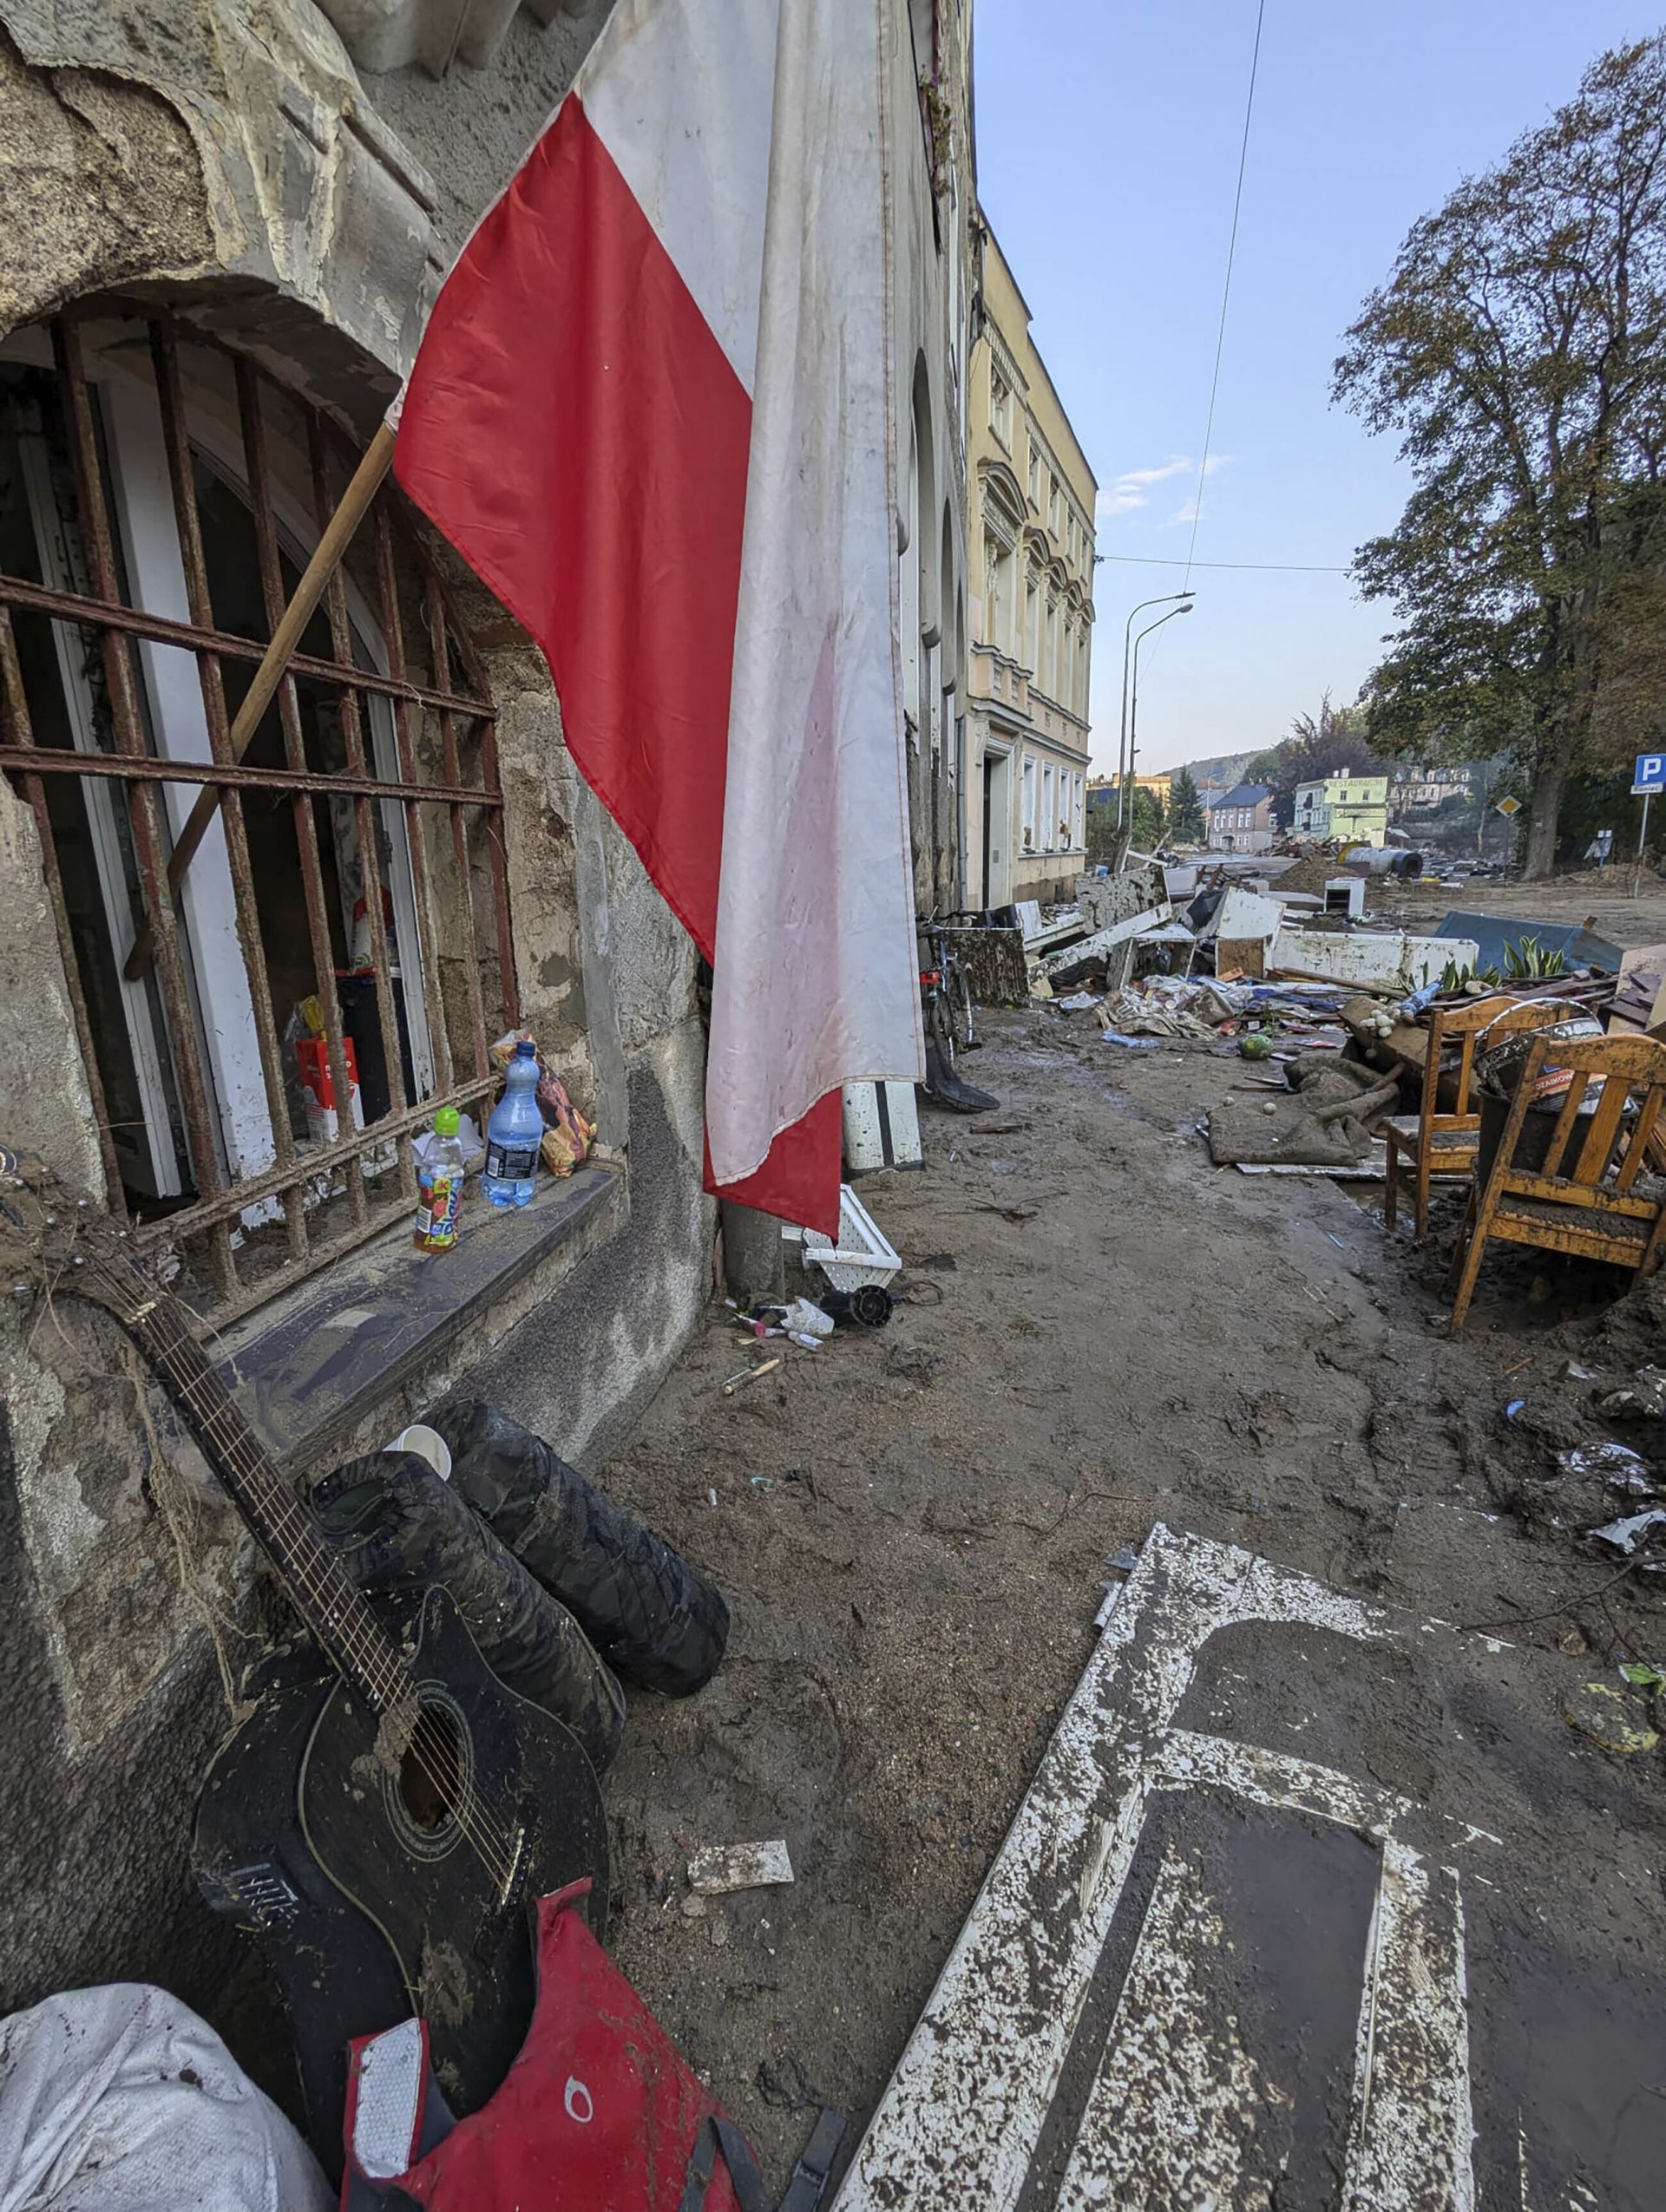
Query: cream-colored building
[[1030, 543]]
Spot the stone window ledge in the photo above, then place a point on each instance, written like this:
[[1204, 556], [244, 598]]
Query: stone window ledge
[[388, 1326]]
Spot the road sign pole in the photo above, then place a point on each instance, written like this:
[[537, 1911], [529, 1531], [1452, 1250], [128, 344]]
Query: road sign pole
[[1643, 839]]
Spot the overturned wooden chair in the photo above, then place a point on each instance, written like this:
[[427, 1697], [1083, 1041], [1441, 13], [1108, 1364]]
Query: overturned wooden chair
[[1433, 1142], [1583, 1198]]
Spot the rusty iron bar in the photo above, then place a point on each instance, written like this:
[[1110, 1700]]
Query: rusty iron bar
[[151, 767], [496, 860], [344, 1151], [440, 669], [150, 843], [161, 629], [15, 724], [176, 442], [288, 715], [393, 641], [366, 816]]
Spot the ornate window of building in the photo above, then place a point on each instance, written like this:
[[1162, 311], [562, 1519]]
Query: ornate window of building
[[337, 953], [1049, 818], [1000, 407], [1035, 474]]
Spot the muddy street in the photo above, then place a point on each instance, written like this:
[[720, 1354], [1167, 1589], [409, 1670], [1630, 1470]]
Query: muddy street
[[1102, 1332]]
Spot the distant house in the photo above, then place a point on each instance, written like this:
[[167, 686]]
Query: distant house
[[1347, 807], [1421, 790], [1241, 820], [1312, 816]]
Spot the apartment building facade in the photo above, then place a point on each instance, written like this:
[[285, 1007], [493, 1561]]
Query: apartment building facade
[[1030, 534]]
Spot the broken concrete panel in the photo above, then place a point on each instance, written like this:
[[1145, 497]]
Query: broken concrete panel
[[1244, 914], [1370, 959], [1107, 899], [1104, 940], [995, 962]]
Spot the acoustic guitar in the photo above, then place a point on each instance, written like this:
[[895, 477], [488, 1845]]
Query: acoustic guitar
[[386, 1829]]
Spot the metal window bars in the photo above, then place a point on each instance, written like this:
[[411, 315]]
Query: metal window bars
[[446, 792]]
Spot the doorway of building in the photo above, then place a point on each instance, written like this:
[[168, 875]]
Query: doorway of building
[[997, 828]]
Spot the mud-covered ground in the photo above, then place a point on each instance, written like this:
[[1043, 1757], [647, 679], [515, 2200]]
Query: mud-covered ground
[[1101, 1331]]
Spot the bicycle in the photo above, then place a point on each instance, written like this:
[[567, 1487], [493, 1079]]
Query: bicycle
[[946, 992], [946, 1006]]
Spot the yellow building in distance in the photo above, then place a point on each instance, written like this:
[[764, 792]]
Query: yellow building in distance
[[1030, 555]]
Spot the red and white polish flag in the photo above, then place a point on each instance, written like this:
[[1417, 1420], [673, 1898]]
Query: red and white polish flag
[[653, 409]]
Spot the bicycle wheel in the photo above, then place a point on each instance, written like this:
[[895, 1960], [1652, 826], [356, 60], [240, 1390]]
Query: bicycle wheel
[[957, 986], [940, 1028]]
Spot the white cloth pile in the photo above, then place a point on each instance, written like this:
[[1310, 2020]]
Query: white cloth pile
[[119, 2099]]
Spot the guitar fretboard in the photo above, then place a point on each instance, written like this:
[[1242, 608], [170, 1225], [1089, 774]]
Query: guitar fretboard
[[315, 1581]]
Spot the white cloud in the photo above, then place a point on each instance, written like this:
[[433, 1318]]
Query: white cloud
[[1133, 488]]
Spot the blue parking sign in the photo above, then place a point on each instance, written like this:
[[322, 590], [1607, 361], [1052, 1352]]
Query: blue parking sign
[[1650, 773]]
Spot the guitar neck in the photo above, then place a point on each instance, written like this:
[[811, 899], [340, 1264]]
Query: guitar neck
[[314, 1581]]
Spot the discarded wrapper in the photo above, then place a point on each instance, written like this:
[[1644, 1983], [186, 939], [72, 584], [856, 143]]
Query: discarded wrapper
[[738, 1866]]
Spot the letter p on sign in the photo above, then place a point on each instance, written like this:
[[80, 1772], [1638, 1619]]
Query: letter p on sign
[[1649, 774]]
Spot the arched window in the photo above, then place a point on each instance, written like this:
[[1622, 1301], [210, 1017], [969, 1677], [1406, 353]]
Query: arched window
[[255, 1078]]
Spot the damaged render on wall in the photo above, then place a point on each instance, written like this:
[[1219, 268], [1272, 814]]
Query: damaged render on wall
[[213, 185]]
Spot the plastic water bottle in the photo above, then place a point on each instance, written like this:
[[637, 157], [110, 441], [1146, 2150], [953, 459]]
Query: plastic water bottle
[[439, 1184], [515, 1133]]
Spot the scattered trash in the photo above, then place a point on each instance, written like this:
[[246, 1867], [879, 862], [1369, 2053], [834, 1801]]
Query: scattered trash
[[1133, 1043], [1605, 1715], [1637, 1528], [1618, 1465], [738, 1381], [1079, 1001], [863, 1253], [1645, 1402], [1573, 1372], [803, 1340], [723, 1866], [1643, 1676], [1513, 1407]]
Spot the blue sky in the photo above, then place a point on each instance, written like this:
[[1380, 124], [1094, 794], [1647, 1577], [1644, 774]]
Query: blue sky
[[1108, 138]]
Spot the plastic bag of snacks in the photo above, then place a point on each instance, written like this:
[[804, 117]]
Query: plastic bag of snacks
[[567, 1137]]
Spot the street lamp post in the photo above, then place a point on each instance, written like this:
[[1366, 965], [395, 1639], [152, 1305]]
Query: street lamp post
[[1162, 599], [1134, 703]]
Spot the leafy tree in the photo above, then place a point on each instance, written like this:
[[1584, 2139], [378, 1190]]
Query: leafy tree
[[1144, 822], [1185, 809], [1519, 348]]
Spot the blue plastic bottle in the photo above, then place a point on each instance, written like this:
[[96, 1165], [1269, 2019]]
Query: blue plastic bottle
[[515, 1133]]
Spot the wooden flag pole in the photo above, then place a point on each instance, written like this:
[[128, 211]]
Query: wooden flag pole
[[355, 501]]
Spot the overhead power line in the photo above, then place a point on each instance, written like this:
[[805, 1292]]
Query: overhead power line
[[1283, 567], [1226, 289]]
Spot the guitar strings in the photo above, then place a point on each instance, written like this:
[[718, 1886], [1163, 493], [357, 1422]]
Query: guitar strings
[[381, 1671]]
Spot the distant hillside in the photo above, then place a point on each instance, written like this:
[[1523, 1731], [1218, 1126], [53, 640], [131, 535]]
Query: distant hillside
[[1223, 771]]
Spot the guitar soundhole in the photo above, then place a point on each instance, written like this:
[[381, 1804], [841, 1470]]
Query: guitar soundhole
[[430, 1773], [429, 1797]]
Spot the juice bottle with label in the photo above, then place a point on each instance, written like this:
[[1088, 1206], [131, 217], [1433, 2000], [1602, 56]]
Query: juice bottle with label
[[439, 1185]]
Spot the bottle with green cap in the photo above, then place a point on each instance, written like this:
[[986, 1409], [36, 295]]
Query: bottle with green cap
[[439, 1184]]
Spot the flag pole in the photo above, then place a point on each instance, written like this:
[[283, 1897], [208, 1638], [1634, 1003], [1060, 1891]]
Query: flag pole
[[362, 489]]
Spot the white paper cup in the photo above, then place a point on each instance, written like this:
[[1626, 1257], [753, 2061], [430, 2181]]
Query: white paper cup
[[428, 1443]]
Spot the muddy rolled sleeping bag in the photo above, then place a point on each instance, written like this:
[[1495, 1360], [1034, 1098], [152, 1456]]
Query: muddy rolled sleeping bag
[[395, 1526], [658, 1622]]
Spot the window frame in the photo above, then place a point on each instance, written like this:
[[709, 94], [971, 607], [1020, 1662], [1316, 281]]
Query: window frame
[[170, 737]]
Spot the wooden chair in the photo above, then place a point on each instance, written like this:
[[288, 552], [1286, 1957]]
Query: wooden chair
[[1433, 1143], [1591, 1207]]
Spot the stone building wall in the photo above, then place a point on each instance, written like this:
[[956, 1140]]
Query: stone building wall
[[227, 159], [224, 157]]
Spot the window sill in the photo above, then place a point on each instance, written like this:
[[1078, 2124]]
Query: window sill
[[311, 1366]]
